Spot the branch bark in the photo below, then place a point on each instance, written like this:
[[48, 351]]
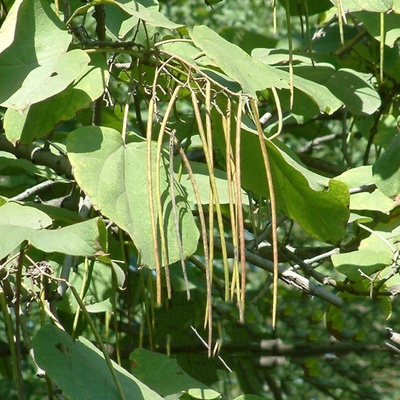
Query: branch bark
[[59, 163], [288, 276]]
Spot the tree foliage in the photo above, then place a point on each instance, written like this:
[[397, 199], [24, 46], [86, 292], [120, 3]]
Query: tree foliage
[[199, 200]]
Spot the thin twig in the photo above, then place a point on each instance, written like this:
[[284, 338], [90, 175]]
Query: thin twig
[[32, 190]]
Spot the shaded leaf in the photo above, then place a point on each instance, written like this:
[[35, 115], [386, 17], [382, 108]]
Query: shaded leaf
[[386, 169], [115, 177], [80, 370], [372, 24], [298, 7], [98, 280], [8, 163], [164, 375]]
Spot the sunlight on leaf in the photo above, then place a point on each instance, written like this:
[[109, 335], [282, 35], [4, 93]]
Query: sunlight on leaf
[[32, 71], [114, 175]]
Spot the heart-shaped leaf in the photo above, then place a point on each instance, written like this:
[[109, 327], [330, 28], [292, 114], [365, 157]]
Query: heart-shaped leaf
[[115, 176]]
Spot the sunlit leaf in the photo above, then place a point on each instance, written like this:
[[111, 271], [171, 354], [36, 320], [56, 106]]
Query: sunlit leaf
[[36, 65], [115, 177], [148, 12], [15, 214], [376, 200], [374, 6], [40, 118], [82, 239], [237, 64]]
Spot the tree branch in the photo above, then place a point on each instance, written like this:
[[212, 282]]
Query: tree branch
[[59, 163], [286, 275]]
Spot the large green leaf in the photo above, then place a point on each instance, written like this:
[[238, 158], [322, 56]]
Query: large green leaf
[[374, 6], [115, 177], [386, 170], [164, 375], [328, 87], [348, 86], [18, 215], [34, 62], [202, 179], [318, 204], [372, 24], [298, 7], [237, 64], [20, 223], [80, 369], [40, 119]]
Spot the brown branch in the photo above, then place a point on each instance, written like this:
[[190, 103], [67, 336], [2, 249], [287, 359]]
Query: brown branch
[[59, 163]]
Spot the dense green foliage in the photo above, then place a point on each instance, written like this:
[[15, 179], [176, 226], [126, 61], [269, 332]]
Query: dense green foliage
[[199, 199]]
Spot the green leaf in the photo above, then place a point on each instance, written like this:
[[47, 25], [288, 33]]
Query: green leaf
[[328, 87], [373, 255], [34, 62], [375, 201], [374, 6], [18, 215], [386, 169], [317, 92], [298, 7], [83, 239], [98, 280], [41, 118], [147, 11], [372, 24], [202, 178], [9, 165], [368, 260], [163, 374], [350, 87], [237, 64], [318, 204], [80, 370], [114, 175]]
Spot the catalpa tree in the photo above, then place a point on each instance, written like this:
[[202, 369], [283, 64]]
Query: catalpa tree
[[199, 200]]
